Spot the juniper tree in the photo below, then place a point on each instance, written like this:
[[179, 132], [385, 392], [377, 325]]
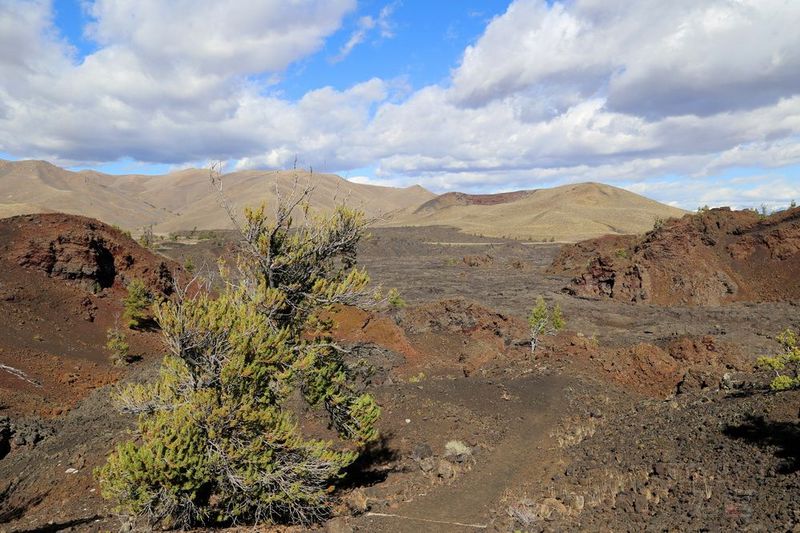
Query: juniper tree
[[217, 439]]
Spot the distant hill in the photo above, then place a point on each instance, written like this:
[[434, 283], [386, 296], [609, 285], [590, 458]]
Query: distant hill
[[179, 200], [184, 200], [566, 213]]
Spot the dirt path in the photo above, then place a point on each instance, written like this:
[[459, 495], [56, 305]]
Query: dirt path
[[524, 453]]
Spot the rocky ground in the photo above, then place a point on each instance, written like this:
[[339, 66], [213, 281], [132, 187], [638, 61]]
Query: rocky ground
[[636, 417]]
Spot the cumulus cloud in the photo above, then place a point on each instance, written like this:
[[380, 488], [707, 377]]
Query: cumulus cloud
[[599, 90], [213, 37], [649, 58], [772, 191]]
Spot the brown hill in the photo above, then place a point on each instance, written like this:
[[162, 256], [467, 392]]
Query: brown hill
[[39, 187], [567, 213], [710, 258], [179, 200], [62, 279], [184, 200]]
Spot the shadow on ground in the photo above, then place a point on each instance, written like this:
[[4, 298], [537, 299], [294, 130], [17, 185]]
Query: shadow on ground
[[784, 436]]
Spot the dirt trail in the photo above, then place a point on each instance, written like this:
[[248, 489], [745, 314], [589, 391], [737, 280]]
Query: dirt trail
[[470, 502]]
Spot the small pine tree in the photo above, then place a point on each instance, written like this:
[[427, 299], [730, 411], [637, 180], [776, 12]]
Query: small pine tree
[[117, 344], [786, 361], [138, 303], [792, 204], [544, 321], [394, 299], [218, 439]]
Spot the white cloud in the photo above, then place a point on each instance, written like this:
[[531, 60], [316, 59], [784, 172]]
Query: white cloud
[[599, 90], [774, 191], [220, 38], [649, 58], [364, 26]]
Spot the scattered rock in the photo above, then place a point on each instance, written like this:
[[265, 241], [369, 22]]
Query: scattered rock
[[421, 451], [338, 525], [357, 501], [445, 470]]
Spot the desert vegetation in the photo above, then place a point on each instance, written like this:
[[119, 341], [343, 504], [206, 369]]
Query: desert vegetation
[[544, 320], [785, 364], [138, 303], [117, 345], [218, 441]]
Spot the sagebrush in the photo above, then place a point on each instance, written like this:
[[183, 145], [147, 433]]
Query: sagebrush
[[785, 364]]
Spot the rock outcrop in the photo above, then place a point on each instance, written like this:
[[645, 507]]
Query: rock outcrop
[[710, 258]]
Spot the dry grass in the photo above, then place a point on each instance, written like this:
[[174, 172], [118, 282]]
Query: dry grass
[[567, 213]]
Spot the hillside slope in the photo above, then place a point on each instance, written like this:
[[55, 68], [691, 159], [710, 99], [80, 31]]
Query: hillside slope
[[185, 199], [38, 187], [566, 213], [179, 200], [710, 258]]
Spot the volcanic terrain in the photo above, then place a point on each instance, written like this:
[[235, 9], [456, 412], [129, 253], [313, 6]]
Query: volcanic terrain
[[637, 415]]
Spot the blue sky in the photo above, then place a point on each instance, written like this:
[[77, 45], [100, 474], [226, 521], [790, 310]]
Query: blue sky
[[690, 103]]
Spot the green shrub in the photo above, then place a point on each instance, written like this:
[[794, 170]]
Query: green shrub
[[138, 304], [118, 345], [786, 361], [217, 440], [394, 299], [544, 321]]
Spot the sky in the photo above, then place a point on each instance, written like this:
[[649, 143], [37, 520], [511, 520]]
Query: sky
[[690, 102]]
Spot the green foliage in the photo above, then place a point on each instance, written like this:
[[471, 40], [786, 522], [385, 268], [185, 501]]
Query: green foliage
[[792, 204], [786, 364], [218, 439], [419, 378], [703, 209], [117, 344], [394, 299], [138, 303], [188, 265], [622, 253], [544, 321]]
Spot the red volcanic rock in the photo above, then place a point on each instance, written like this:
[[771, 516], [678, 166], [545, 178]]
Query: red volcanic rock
[[709, 258], [85, 251]]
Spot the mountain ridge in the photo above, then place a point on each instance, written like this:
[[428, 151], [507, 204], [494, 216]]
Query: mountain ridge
[[184, 200]]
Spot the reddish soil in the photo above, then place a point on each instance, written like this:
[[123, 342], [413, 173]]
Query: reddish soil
[[710, 258], [635, 416], [62, 280], [459, 198]]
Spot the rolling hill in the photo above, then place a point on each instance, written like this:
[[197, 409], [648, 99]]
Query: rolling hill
[[184, 200], [179, 200], [566, 213]]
